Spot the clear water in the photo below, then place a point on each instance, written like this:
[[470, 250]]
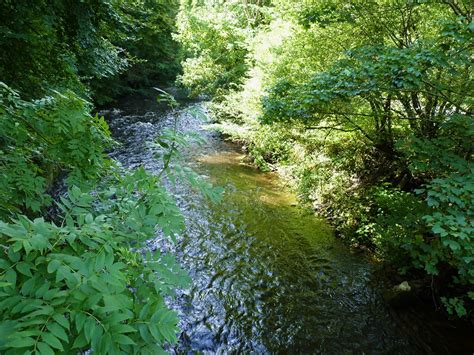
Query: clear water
[[268, 276]]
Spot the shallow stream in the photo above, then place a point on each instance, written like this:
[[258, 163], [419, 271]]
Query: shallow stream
[[268, 276]]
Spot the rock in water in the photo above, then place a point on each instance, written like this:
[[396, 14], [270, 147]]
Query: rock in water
[[399, 295]]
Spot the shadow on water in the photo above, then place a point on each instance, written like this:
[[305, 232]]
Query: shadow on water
[[268, 276]]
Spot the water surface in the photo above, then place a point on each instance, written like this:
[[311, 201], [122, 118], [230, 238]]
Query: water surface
[[268, 276]]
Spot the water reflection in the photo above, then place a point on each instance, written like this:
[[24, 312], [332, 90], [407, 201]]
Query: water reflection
[[268, 277]]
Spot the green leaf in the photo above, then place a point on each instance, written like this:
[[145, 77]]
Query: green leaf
[[79, 318], [100, 262], [52, 341], [62, 320], [53, 266], [155, 333], [22, 342], [112, 303], [144, 311], [437, 229], [45, 310], [57, 331], [28, 287], [96, 336], [42, 290], [89, 218], [13, 255], [452, 244], [80, 342], [144, 333], [89, 328], [117, 317], [62, 273], [123, 339], [24, 268], [123, 328], [45, 349], [4, 264]]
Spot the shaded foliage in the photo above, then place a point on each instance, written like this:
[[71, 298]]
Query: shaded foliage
[[81, 278], [45, 137], [98, 44], [367, 107], [86, 283]]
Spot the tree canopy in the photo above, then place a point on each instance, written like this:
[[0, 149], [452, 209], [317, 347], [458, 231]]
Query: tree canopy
[[367, 104]]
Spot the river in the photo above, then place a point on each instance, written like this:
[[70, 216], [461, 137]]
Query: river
[[268, 276]]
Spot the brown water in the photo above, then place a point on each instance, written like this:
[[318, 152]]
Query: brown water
[[268, 276]]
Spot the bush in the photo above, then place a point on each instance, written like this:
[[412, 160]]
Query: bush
[[364, 107], [87, 282], [42, 138]]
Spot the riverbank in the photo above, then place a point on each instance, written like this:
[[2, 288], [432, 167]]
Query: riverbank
[[267, 275], [417, 308]]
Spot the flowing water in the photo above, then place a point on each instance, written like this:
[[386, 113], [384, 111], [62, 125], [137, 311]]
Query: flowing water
[[268, 276]]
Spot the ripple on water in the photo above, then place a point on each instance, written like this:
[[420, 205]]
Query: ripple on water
[[268, 277]]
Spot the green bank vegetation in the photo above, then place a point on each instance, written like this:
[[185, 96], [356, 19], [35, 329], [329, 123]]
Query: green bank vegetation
[[365, 106], [74, 273]]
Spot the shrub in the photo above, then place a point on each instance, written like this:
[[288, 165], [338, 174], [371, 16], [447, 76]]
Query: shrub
[[42, 138], [88, 282]]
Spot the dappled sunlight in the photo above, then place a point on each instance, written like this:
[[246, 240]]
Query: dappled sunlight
[[236, 177]]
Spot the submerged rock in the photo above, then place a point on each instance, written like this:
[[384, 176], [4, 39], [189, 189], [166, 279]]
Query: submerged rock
[[399, 295]]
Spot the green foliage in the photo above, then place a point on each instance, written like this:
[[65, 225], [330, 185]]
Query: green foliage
[[367, 108], [149, 40], [454, 306], [392, 223], [270, 145], [56, 45], [170, 147], [144, 38], [214, 40], [88, 282], [445, 162], [378, 89], [90, 47], [42, 138], [85, 281]]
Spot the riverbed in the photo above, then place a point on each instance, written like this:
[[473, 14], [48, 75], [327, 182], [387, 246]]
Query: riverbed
[[268, 276]]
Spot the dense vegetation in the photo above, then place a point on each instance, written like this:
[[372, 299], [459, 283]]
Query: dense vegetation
[[74, 273], [96, 48], [365, 106]]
